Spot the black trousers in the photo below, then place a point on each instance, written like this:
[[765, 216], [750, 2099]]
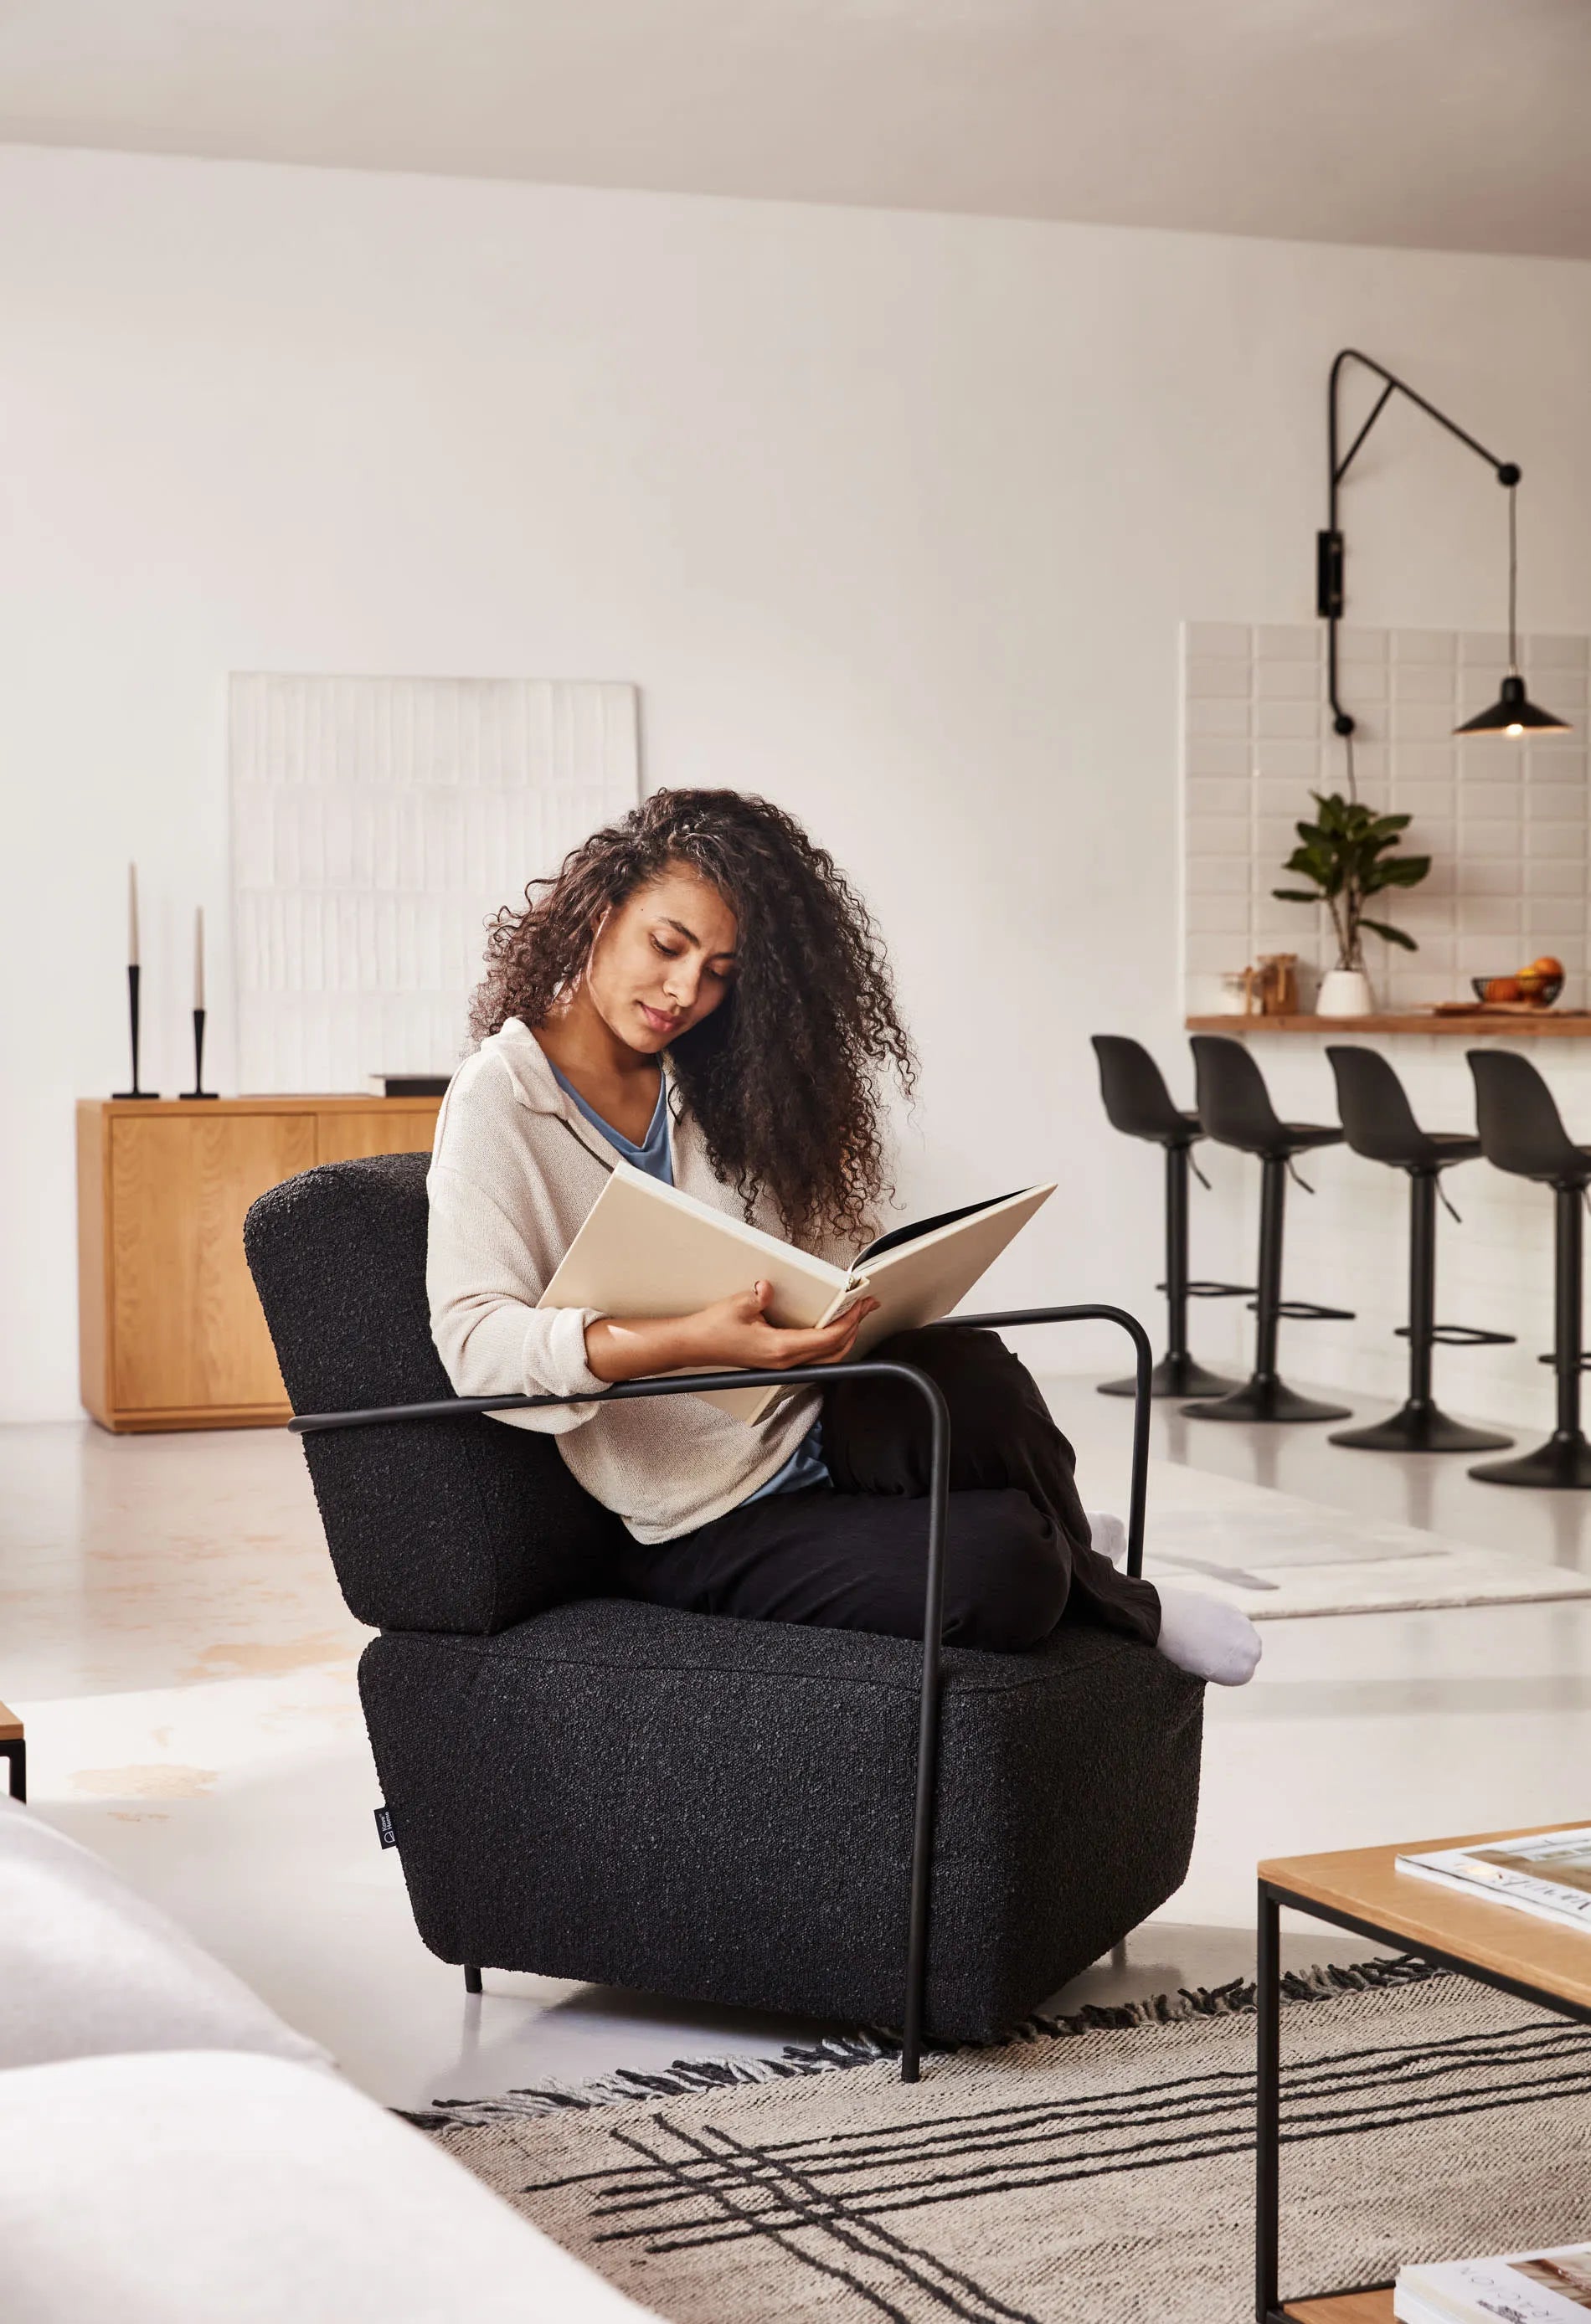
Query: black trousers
[[1017, 1552]]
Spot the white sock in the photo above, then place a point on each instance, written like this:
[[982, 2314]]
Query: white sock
[[1108, 1534], [1208, 1637], [1198, 1634]]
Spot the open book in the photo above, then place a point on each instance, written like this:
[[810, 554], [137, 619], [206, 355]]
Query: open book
[[645, 1249]]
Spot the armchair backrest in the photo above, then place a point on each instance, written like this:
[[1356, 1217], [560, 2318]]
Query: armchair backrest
[[467, 1525]]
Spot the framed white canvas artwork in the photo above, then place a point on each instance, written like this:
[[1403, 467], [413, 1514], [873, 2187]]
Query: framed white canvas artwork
[[377, 823]]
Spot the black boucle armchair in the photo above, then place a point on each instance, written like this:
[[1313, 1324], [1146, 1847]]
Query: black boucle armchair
[[587, 1787]]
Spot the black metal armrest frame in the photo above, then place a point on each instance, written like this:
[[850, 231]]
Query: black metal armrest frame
[[819, 1376]]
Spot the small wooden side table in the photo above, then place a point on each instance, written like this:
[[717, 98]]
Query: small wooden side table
[[1359, 1888], [14, 1749]]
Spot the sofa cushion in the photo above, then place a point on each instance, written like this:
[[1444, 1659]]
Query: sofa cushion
[[191, 2187], [445, 1524], [722, 1810], [87, 1965]]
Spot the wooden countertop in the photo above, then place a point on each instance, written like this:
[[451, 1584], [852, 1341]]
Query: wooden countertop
[[1539, 1024]]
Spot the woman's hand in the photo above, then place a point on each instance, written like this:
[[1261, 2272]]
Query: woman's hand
[[734, 1331], [737, 1332]]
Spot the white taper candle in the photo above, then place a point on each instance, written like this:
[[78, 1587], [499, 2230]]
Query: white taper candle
[[132, 916], [198, 957]]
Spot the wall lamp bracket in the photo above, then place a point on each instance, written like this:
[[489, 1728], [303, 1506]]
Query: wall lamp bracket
[[1513, 714]]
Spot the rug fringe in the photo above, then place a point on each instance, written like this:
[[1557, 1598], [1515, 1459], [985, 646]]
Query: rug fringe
[[872, 2045]]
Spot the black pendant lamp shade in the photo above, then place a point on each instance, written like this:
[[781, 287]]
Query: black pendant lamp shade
[[1513, 714]]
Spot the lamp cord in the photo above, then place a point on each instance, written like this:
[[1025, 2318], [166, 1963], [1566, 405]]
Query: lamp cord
[[1513, 579]]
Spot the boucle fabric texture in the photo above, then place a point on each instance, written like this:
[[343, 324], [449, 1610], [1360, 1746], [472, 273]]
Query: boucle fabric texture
[[585, 1786], [448, 1525], [516, 1168], [1072, 2177], [721, 1810]]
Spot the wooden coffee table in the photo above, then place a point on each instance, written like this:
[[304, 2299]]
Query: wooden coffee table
[[1357, 1888], [14, 1747]]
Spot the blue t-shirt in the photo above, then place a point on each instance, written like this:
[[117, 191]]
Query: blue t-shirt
[[805, 1466]]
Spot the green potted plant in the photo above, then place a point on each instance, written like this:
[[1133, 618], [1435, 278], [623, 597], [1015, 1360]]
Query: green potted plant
[[1348, 854]]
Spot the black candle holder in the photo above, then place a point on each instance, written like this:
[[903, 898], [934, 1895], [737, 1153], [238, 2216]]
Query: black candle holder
[[132, 973], [199, 1089]]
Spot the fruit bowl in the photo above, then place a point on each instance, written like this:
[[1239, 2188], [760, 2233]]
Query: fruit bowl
[[1529, 989]]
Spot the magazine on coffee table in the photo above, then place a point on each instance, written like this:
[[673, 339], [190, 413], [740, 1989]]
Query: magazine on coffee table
[[1540, 2287], [1548, 1873]]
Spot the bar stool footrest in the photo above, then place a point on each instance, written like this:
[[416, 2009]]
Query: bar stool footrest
[[1203, 1289], [1582, 1362], [1464, 1335], [1308, 1311]]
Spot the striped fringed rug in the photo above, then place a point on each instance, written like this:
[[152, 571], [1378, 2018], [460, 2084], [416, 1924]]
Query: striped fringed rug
[[1097, 2171]]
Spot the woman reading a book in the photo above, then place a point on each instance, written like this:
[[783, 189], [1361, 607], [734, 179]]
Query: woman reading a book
[[701, 992]]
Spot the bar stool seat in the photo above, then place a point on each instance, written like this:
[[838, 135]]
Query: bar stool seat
[[1379, 1123], [1138, 1104], [1522, 1131], [1236, 1109]]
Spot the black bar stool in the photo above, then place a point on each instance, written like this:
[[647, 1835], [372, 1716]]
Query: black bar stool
[[1234, 1106], [1521, 1130], [1380, 1124], [1139, 1104]]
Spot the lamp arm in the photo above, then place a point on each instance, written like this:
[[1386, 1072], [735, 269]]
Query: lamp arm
[[1328, 560]]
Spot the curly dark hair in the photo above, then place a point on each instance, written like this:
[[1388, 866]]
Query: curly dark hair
[[784, 1075]]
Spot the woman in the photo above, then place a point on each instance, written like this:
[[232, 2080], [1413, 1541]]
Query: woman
[[701, 990]]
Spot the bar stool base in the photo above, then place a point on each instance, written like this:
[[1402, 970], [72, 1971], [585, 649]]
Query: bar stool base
[[1420, 1428], [1561, 1465], [1175, 1376], [1266, 1399]]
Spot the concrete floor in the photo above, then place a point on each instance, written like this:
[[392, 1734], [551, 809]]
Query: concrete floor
[[170, 1630]]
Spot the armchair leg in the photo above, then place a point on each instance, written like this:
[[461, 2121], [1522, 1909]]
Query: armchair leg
[[472, 1978]]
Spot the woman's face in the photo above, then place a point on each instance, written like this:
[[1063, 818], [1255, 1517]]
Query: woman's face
[[663, 959]]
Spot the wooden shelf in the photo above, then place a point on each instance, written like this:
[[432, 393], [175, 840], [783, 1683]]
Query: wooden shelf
[[1344, 2308], [1539, 1024]]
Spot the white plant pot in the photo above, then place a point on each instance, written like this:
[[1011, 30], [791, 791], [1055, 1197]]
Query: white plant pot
[[1344, 992]]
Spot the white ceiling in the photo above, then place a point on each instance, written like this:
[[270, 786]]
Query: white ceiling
[[1450, 124]]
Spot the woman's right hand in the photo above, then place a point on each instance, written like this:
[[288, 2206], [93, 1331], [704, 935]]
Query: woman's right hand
[[736, 1332]]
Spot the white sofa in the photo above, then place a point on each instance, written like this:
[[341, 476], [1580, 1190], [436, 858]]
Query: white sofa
[[172, 2153]]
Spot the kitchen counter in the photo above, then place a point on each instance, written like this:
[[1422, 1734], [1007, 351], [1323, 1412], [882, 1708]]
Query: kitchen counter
[[1555, 1024]]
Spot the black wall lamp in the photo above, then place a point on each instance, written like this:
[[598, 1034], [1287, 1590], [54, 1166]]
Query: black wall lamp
[[1513, 712]]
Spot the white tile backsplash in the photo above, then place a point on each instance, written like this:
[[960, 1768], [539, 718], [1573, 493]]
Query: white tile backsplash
[[1506, 825]]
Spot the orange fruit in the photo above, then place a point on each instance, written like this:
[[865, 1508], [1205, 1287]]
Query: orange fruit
[[1502, 988], [1545, 966]]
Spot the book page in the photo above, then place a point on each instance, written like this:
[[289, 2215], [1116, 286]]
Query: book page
[[644, 1249]]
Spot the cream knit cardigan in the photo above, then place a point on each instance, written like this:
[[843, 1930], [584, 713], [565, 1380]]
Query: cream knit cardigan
[[509, 1186]]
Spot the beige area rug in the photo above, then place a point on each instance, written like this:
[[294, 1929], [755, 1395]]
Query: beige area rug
[[1096, 2173], [1277, 1556]]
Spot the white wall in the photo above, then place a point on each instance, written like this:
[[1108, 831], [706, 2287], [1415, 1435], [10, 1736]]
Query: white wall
[[892, 516]]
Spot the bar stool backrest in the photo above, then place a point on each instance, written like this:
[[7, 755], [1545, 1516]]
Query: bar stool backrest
[[1518, 1118], [1136, 1099], [1378, 1120], [1234, 1103]]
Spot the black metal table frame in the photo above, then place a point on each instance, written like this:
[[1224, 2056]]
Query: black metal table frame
[[1273, 1897], [819, 1376], [14, 1751]]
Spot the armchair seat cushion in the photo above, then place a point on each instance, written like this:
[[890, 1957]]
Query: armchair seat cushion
[[721, 1810]]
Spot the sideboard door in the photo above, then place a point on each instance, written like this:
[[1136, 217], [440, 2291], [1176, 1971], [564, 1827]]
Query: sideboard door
[[188, 1331], [389, 1129]]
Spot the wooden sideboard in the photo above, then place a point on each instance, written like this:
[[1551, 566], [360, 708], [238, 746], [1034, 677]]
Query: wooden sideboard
[[171, 1334]]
